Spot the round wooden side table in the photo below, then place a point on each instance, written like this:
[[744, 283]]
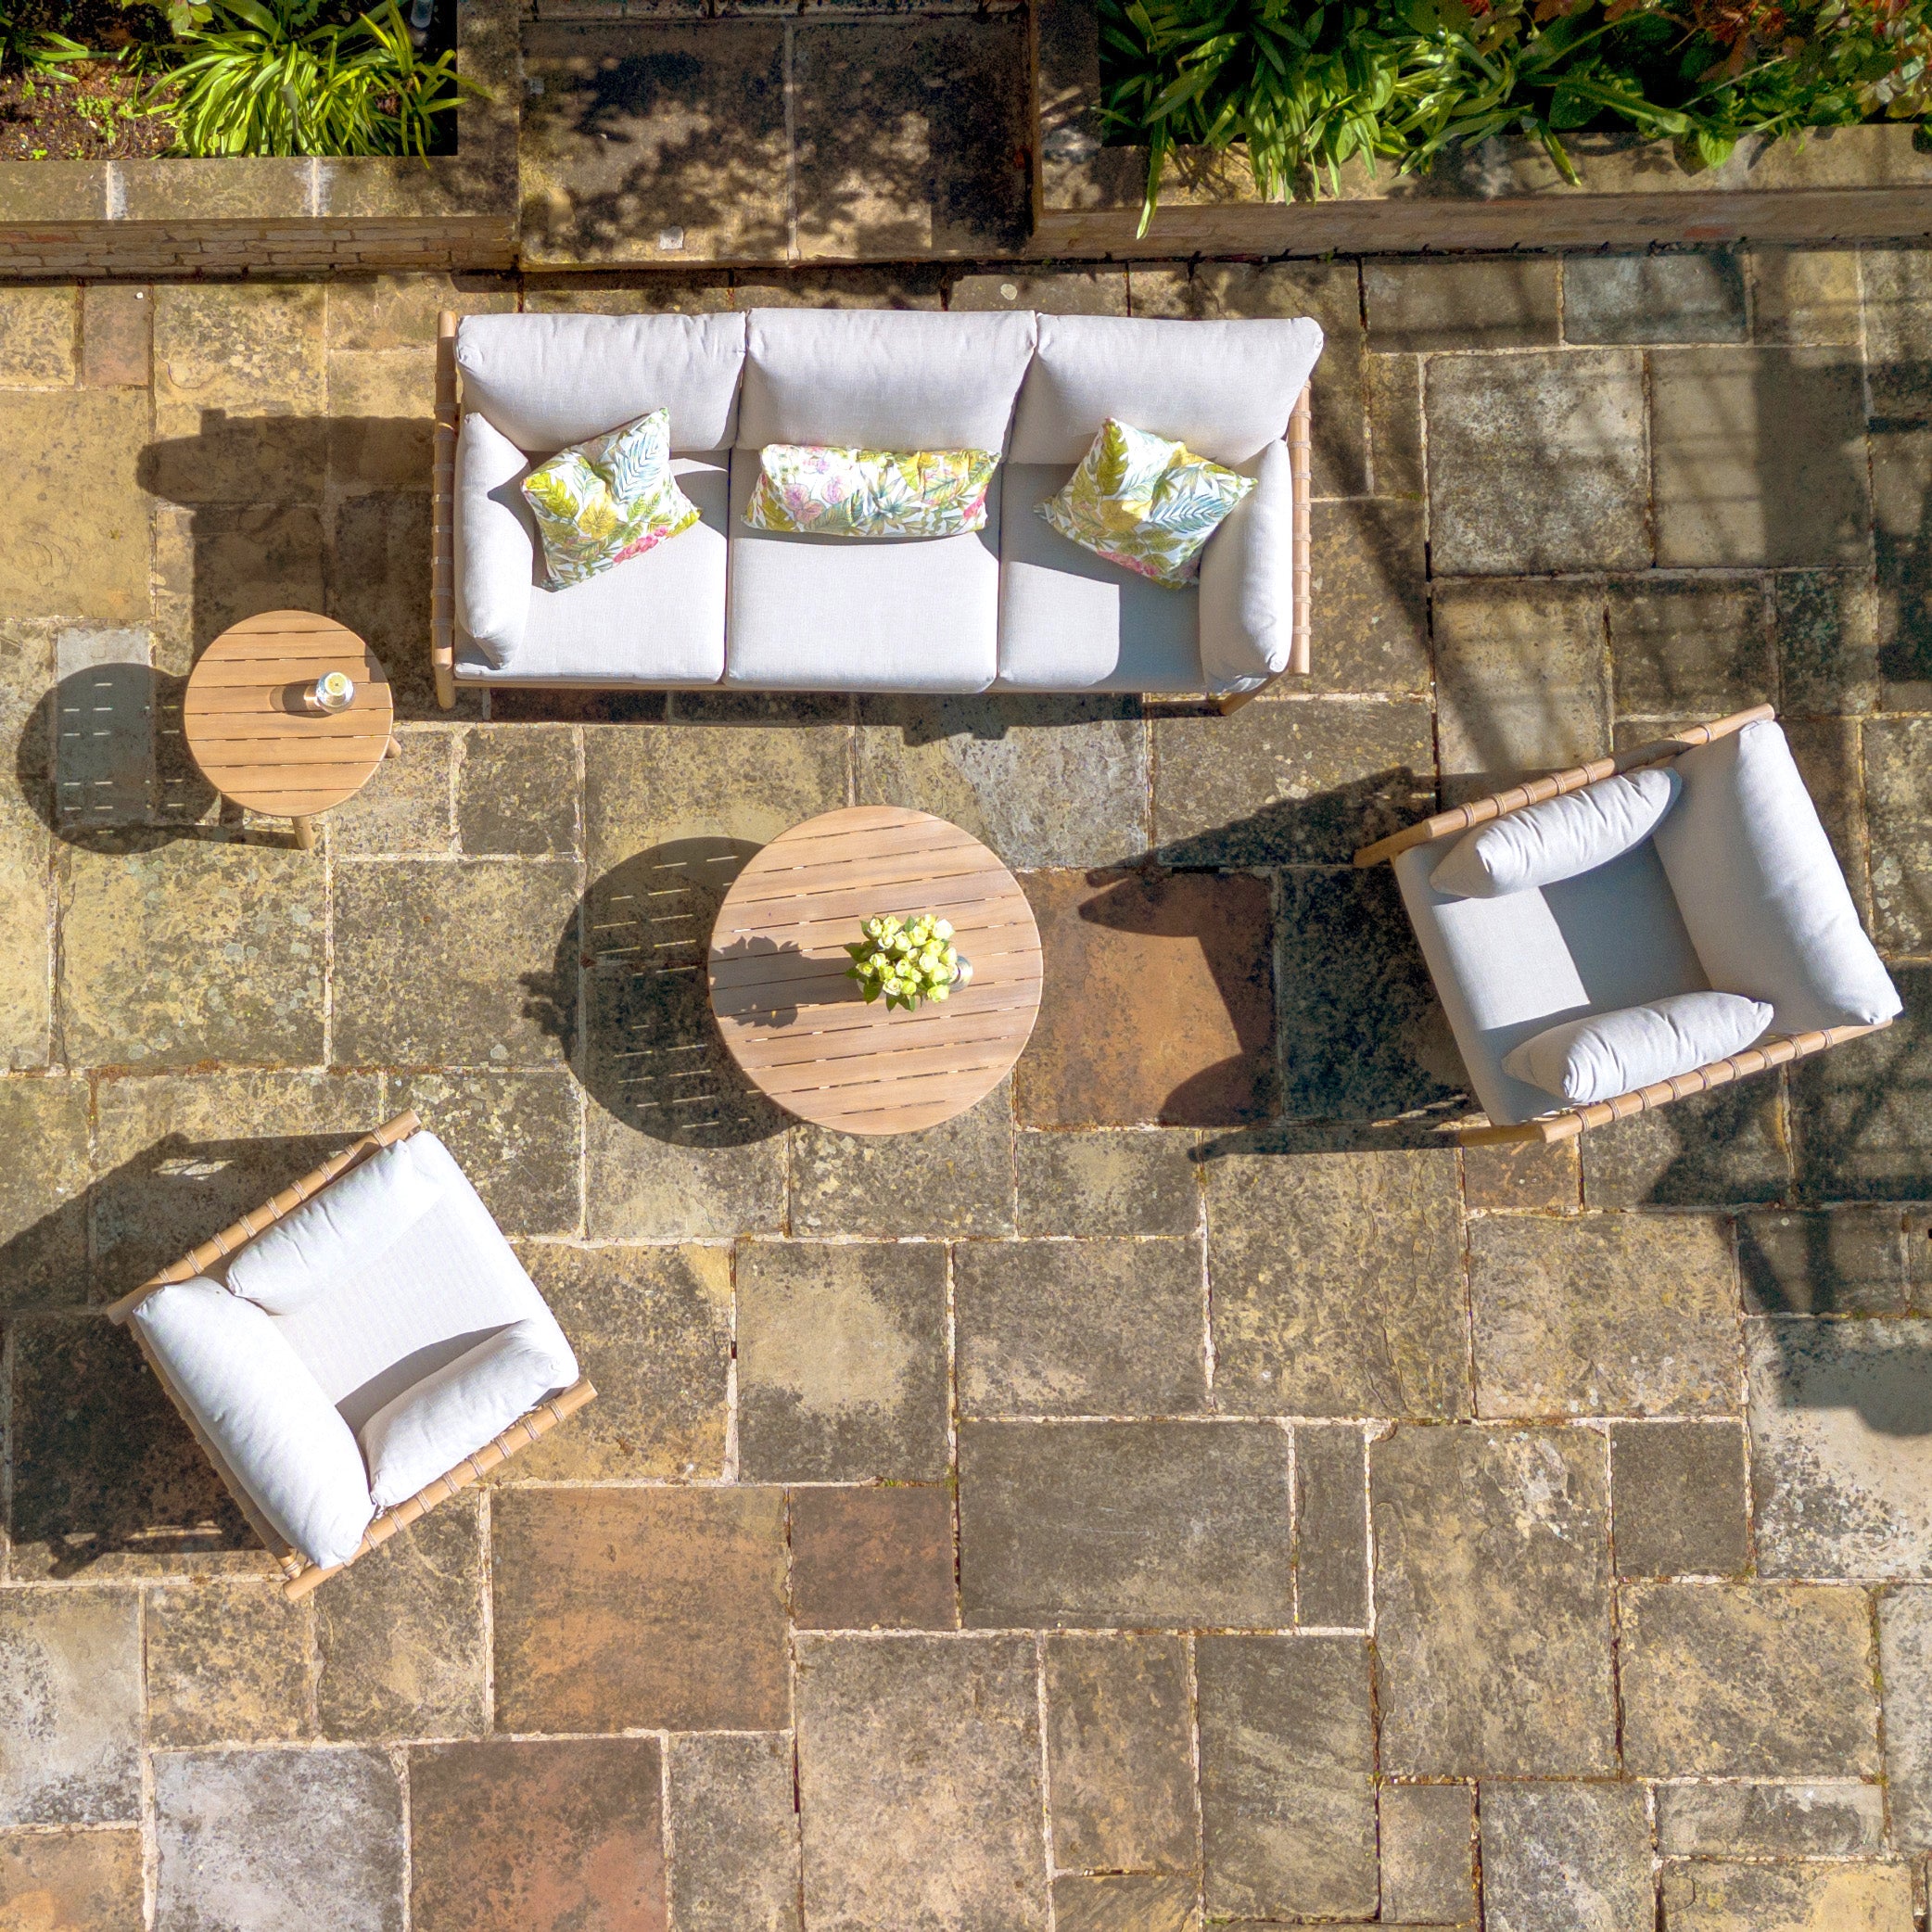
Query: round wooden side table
[[797, 1026], [256, 741]]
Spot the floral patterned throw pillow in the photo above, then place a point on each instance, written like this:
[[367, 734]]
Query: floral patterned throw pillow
[[1145, 504], [610, 498], [817, 492]]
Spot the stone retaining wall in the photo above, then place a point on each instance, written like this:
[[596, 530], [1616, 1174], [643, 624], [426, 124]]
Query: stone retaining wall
[[1863, 183], [278, 217]]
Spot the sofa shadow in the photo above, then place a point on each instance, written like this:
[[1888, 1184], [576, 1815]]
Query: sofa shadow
[[103, 1465], [626, 997]]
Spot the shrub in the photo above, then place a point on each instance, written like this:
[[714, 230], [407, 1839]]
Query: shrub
[[1308, 87]]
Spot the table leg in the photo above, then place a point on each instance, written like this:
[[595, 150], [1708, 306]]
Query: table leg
[[392, 749], [305, 834]]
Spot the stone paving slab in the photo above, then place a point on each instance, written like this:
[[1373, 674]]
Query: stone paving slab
[[1337, 1376]]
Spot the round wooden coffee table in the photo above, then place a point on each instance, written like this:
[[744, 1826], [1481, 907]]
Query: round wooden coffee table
[[796, 1024], [253, 738]]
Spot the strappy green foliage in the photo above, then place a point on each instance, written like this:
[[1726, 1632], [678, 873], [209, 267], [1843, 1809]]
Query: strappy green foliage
[[1309, 87]]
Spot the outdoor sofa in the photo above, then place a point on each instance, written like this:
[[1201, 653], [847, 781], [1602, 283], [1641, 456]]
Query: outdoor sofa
[[1015, 607], [356, 1350], [1735, 890]]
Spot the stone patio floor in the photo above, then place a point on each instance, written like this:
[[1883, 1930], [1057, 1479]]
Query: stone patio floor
[[1188, 1486]]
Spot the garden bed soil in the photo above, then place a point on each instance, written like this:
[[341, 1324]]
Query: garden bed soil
[[1869, 183], [95, 117]]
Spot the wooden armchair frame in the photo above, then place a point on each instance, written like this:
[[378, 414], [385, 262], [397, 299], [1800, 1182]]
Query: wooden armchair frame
[[1569, 1121], [442, 571], [298, 1575]]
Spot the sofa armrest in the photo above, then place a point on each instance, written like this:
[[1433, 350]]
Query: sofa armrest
[[496, 540], [1247, 580]]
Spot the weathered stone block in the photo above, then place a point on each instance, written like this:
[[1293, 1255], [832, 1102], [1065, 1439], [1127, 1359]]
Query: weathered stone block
[[956, 1178], [1427, 1838], [1898, 774], [1554, 1854], [1533, 1175], [1415, 306], [1845, 1261], [1836, 1819], [1368, 581], [1805, 295], [516, 792], [404, 810], [1709, 1897], [1728, 1145], [37, 329], [1125, 1902], [873, 1559], [70, 1707], [735, 1833], [1689, 647], [1694, 297], [86, 1881], [1905, 1669], [1828, 643], [228, 1663], [1332, 1526], [1138, 1182], [42, 1190], [1861, 1130], [1680, 1502]]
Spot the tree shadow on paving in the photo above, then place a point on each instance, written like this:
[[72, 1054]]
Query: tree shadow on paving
[[631, 1003], [103, 1465]]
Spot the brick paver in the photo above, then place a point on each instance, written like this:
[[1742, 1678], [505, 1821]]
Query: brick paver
[[1184, 1486]]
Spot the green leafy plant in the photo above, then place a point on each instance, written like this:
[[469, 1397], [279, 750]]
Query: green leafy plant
[[270, 77], [905, 960]]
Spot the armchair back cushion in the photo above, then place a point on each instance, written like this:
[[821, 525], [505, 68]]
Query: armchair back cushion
[[1225, 388], [264, 1412], [883, 378], [1559, 838], [1608, 1054], [453, 1412], [1761, 889], [549, 380]]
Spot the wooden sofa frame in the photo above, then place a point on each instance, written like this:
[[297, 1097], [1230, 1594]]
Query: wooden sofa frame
[[443, 574], [1567, 1122], [299, 1576]]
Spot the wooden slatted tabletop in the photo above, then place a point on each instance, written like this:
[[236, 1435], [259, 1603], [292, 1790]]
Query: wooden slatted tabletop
[[250, 734], [798, 1027]]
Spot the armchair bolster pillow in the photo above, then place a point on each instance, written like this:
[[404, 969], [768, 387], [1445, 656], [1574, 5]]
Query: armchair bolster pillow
[[1762, 896], [345, 1226], [1607, 1054], [496, 540], [1247, 580], [1557, 839], [433, 1424], [265, 1414]]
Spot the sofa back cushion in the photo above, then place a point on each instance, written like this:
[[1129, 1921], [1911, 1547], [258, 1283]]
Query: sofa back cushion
[[1761, 889], [883, 378], [1225, 388], [549, 380]]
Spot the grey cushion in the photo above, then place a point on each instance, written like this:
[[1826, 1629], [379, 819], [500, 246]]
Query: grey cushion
[[1507, 968], [495, 540], [883, 378], [549, 380], [1766, 904], [1069, 621], [1608, 1054], [1247, 580], [860, 614], [1225, 388], [1559, 838], [658, 618]]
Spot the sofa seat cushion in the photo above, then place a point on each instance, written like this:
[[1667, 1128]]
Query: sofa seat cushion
[[446, 1283], [1225, 388], [1069, 621], [549, 380], [860, 614], [883, 378], [270, 1422], [451, 1413], [1506, 969], [658, 618]]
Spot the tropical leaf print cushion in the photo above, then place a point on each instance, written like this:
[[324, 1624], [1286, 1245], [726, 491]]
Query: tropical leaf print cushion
[[1145, 504], [610, 498], [813, 490]]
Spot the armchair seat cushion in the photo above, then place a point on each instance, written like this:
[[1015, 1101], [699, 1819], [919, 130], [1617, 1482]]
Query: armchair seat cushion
[[268, 1418], [453, 1411]]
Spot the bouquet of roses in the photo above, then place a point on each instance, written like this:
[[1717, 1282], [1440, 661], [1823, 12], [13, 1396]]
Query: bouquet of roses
[[907, 959]]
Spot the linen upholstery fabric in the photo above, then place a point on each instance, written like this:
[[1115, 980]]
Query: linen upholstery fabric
[[354, 1219], [495, 539], [1507, 968], [549, 380], [1069, 622], [1225, 388], [659, 621], [905, 613], [883, 378], [1145, 504], [1247, 580], [1765, 902], [449, 1281], [817, 492], [250, 1392], [453, 1411], [1608, 1054], [1560, 837], [599, 504]]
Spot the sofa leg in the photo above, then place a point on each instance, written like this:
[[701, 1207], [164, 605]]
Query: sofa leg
[[1225, 706], [444, 687]]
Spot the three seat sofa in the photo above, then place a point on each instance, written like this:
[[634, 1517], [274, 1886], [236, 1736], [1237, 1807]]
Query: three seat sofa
[[1014, 607]]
